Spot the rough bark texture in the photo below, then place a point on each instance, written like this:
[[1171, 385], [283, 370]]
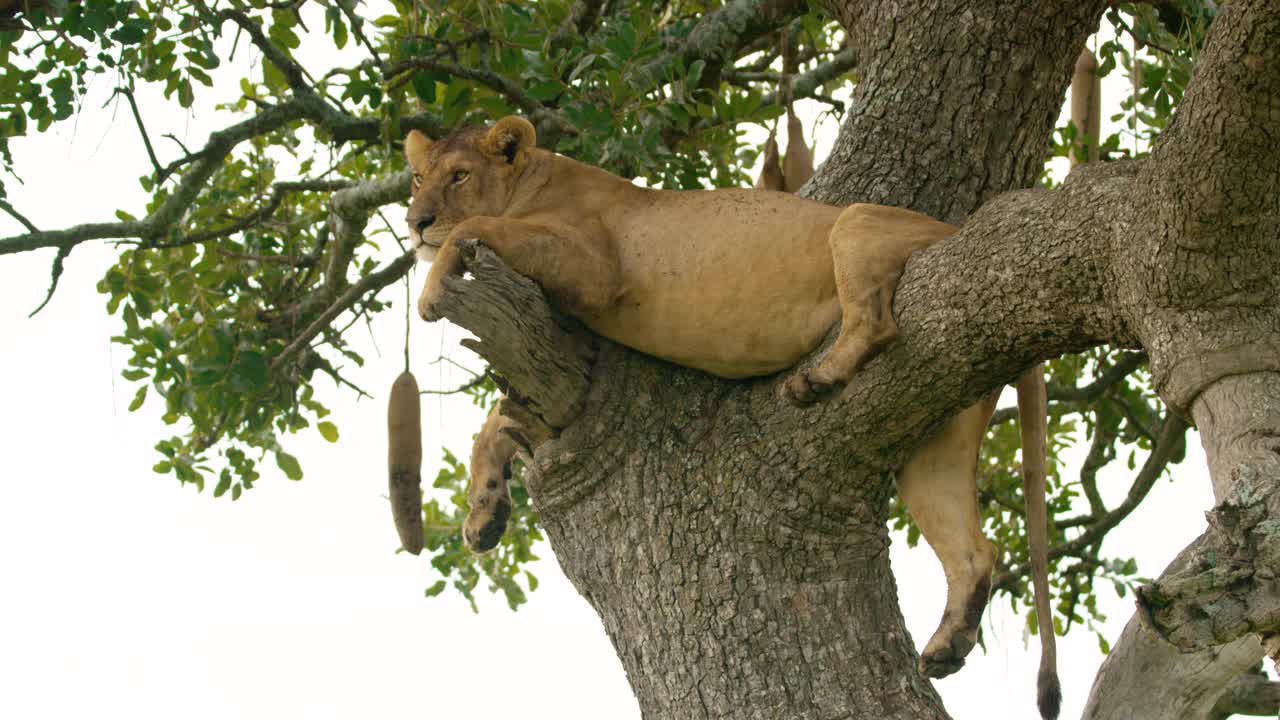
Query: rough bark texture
[[955, 101], [1146, 677], [735, 547]]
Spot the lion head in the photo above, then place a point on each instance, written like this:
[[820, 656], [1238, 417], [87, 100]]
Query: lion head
[[470, 172]]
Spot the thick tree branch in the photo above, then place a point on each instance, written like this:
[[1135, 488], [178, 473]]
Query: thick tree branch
[[370, 128], [719, 35], [537, 111], [582, 15], [163, 219], [1146, 677], [1250, 693], [807, 84]]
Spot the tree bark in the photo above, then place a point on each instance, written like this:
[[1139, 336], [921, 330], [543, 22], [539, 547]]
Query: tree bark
[[1146, 677], [734, 547]]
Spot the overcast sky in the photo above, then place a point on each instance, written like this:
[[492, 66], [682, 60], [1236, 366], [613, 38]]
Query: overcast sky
[[125, 595]]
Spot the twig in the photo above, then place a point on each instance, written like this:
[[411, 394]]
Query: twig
[[835, 104], [292, 72], [278, 191], [356, 30], [159, 222], [400, 72], [468, 385], [1172, 440], [327, 367], [1125, 26], [576, 23], [142, 129], [372, 282], [173, 137], [5, 206], [1127, 363], [807, 84], [56, 273]]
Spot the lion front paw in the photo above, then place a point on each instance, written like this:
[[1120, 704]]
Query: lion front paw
[[805, 387], [427, 306]]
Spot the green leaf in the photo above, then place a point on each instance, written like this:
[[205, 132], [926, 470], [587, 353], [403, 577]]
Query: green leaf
[[328, 430], [138, 398], [424, 86], [289, 464], [224, 483], [132, 32], [436, 588], [695, 73]]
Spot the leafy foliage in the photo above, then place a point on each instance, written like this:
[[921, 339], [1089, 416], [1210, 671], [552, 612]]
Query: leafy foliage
[[243, 248]]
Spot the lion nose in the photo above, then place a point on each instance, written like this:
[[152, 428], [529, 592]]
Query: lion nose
[[424, 222]]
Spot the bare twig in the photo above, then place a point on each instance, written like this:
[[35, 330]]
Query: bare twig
[[372, 282], [1170, 444], [356, 30], [1126, 364], [468, 385], [808, 84], [142, 129], [5, 206], [56, 273]]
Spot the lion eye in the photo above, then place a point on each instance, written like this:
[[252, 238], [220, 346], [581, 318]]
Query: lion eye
[[417, 179], [460, 176]]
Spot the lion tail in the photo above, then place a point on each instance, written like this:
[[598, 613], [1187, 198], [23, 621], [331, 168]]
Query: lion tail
[[1033, 420]]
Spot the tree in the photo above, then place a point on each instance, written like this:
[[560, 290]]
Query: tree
[[767, 552]]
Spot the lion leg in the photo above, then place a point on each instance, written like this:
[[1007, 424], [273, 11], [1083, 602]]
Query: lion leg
[[939, 486], [870, 245], [509, 430], [446, 263], [577, 267], [488, 493]]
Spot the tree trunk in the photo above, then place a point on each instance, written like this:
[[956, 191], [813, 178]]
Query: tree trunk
[[735, 547]]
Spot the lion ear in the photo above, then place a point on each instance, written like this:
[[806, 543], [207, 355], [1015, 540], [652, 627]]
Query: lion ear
[[511, 137], [416, 146]]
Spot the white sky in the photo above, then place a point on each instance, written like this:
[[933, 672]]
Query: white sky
[[123, 595]]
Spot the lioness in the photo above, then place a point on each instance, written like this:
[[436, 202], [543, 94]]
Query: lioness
[[695, 278]]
